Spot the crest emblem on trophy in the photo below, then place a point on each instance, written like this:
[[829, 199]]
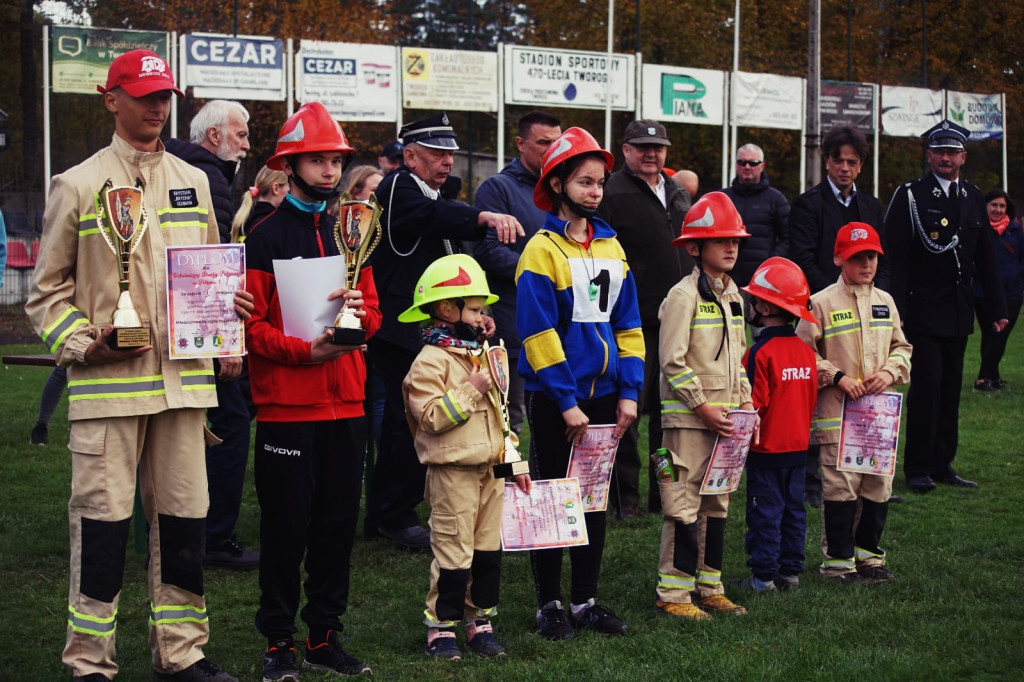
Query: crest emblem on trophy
[[121, 218], [496, 358], [357, 233]]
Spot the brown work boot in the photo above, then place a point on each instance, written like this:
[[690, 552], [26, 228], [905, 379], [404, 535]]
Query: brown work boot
[[719, 603]]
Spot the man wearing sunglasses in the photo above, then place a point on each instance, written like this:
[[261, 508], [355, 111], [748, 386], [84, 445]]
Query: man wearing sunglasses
[[764, 209]]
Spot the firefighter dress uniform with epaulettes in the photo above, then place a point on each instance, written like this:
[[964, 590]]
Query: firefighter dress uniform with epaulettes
[[144, 414], [701, 351], [858, 333]]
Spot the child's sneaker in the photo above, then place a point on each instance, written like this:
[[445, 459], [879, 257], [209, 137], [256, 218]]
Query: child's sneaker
[[279, 662], [787, 582], [752, 584], [480, 638], [39, 435], [719, 603], [852, 578], [552, 623], [441, 644], [330, 656], [878, 574], [678, 610], [593, 616]]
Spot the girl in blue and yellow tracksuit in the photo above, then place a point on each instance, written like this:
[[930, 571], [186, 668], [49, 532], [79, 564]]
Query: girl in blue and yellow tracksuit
[[583, 356]]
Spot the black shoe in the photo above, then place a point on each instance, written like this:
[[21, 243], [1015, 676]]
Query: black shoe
[[853, 579], [91, 677], [984, 386], [956, 481], [812, 498], [203, 670], [599, 619], [413, 537], [552, 623], [330, 656], [895, 499], [40, 436], [279, 662], [878, 574], [233, 555], [1000, 385], [920, 484]]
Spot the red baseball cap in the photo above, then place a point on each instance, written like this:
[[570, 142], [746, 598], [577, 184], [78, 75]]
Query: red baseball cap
[[853, 238], [140, 73]]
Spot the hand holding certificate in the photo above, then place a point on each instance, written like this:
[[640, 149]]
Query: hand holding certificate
[[591, 462], [550, 516], [201, 286]]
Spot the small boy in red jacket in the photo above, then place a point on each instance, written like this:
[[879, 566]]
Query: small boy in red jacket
[[784, 389]]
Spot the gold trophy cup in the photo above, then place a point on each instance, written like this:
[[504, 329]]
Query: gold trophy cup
[[122, 221], [357, 233], [496, 359]]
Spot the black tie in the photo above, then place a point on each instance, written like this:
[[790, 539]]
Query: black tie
[[954, 203]]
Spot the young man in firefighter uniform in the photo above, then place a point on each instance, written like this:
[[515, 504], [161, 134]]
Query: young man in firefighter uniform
[[861, 350], [130, 410], [701, 350]]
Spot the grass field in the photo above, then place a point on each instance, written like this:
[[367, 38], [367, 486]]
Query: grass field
[[956, 610]]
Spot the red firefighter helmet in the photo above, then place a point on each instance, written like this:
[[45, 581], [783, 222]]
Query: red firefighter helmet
[[310, 129], [572, 142], [781, 282], [713, 216]]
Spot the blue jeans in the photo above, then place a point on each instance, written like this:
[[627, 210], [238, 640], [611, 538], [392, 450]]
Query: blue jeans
[[776, 521]]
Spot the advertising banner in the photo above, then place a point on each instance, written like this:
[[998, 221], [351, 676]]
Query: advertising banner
[[568, 78], [675, 93], [233, 67], [355, 82], [848, 104], [908, 112], [82, 54], [453, 80], [764, 100], [981, 114]]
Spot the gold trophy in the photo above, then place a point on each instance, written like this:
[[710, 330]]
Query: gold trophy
[[496, 359], [122, 221], [357, 233]]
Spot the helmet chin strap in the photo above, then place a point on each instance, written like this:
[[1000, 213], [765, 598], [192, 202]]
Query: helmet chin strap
[[464, 330], [581, 211]]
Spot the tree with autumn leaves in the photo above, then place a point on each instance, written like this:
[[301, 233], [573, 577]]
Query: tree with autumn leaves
[[969, 48]]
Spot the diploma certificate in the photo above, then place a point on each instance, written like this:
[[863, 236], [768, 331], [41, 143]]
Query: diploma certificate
[[550, 516], [730, 455], [591, 463], [201, 286], [870, 434]]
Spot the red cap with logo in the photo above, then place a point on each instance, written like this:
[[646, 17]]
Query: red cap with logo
[[853, 238], [140, 73]]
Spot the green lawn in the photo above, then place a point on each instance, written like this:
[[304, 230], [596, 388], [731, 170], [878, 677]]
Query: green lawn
[[955, 611]]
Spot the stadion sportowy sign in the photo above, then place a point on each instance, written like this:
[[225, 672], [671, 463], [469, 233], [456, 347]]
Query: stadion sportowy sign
[[569, 78]]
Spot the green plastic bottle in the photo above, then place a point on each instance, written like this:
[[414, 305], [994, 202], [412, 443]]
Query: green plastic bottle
[[663, 469]]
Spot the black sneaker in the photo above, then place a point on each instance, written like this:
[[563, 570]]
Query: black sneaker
[[552, 623], [40, 436], [279, 662], [480, 638], [599, 619], [203, 670], [441, 644], [330, 656], [233, 555], [879, 574]]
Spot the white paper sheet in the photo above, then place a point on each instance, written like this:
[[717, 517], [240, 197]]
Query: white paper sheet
[[303, 285]]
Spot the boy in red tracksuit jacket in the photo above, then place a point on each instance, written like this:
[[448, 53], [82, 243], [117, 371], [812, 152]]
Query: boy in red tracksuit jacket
[[310, 425], [784, 390]]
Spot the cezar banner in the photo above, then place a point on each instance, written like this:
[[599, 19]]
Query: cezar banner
[[355, 82], [233, 67], [682, 95], [82, 55]]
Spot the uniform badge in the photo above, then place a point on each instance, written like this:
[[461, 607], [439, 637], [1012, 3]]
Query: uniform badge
[[933, 235], [880, 312], [936, 192], [651, 130], [943, 222]]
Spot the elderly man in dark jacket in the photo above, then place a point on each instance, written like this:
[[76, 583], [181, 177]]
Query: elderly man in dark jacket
[[764, 209], [511, 192], [219, 139], [646, 208]]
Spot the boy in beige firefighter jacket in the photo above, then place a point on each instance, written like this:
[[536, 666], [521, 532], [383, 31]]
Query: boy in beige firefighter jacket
[[860, 350], [130, 410], [459, 436], [702, 377]]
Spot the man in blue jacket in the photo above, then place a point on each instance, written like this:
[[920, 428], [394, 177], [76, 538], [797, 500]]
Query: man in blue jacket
[[511, 192]]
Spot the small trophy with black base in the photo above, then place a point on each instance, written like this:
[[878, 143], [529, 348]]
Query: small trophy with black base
[[122, 222], [357, 233], [496, 359]]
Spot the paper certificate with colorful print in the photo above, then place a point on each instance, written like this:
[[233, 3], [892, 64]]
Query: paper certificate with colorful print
[[591, 463], [730, 455], [550, 516], [201, 286], [870, 434]]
